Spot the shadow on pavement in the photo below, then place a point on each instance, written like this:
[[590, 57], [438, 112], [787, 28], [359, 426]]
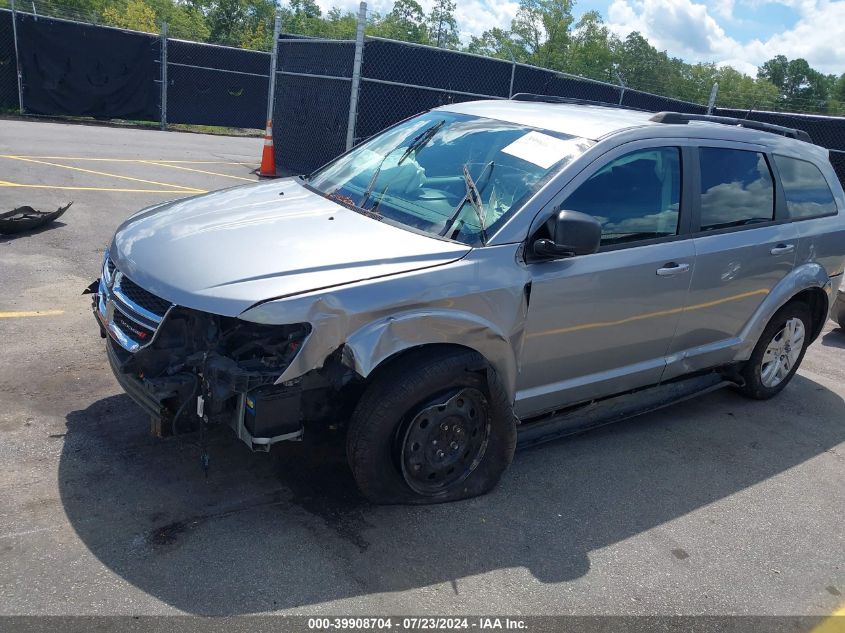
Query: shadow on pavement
[[834, 338], [276, 531]]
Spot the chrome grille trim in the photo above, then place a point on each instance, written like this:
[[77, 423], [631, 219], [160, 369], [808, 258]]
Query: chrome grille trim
[[153, 319], [112, 298]]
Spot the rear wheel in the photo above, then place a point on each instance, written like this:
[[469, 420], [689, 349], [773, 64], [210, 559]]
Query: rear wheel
[[436, 425], [778, 353]]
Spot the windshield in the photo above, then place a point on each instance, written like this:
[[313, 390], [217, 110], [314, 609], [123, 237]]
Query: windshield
[[447, 174]]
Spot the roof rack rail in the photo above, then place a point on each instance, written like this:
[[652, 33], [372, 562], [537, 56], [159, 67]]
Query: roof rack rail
[[528, 96], [680, 117]]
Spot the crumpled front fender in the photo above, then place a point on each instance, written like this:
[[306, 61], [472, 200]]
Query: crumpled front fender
[[479, 302], [371, 345]]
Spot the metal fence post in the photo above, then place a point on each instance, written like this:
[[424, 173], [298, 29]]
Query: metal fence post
[[621, 87], [164, 75], [513, 69], [17, 57], [274, 54], [711, 102], [356, 76]]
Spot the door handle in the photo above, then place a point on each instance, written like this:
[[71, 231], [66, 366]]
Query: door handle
[[783, 249], [671, 269]]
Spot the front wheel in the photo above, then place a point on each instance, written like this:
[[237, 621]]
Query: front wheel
[[436, 425], [778, 353]]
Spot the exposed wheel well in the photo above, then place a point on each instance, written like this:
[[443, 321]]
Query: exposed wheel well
[[428, 349], [816, 300]]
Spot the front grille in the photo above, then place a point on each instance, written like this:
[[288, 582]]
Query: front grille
[[130, 314], [143, 298], [138, 333]]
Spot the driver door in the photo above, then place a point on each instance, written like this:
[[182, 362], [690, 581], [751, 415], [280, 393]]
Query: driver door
[[602, 324]]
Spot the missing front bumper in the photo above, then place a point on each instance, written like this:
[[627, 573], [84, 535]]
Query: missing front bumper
[[259, 418]]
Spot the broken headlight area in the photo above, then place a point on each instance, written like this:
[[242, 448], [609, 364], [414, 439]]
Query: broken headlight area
[[206, 369]]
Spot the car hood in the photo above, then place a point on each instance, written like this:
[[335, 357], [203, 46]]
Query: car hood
[[225, 251]]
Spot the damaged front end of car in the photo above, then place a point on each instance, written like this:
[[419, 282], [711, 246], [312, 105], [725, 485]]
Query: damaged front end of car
[[188, 368]]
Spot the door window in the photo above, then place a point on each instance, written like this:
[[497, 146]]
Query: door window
[[736, 188], [807, 192], [635, 197]]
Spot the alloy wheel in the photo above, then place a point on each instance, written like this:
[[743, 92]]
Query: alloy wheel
[[782, 353]]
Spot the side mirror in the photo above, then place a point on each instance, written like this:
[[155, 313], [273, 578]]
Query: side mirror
[[573, 233]]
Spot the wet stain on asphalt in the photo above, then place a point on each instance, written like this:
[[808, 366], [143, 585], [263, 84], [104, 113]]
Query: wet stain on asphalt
[[321, 483], [166, 534]]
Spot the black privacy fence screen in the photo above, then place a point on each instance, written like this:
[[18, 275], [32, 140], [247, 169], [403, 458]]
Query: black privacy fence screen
[[316, 78], [70, 68]]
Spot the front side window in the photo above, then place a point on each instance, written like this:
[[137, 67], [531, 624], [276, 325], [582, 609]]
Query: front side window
[[736, 188], [447, 174], [807, 192], [635, 197]]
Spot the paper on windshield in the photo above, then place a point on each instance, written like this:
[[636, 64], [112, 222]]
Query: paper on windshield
[[539, 149]]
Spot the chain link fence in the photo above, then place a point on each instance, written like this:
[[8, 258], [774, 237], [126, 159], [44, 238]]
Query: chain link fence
[[71, 67], [8, 64], [399, 80], [311, 110], [209, 84], [78, 68], [311, 114]]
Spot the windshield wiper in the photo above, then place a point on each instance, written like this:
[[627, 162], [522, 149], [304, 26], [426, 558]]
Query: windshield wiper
[[473, 196], [418, 142], [421, 140]]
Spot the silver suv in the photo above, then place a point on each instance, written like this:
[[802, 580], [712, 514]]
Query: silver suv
[[478, 276]]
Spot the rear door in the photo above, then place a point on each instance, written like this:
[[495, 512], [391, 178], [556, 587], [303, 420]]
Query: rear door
[[742, 250]]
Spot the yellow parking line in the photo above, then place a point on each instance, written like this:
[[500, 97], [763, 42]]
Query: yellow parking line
[[115, 189], [30, 313], [140, 160], [198, 171], [834, 623], [103, 173]]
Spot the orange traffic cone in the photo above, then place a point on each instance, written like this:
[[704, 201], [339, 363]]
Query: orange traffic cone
[[268, 157]]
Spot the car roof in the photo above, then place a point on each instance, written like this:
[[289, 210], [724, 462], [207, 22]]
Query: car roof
[[586, 121], [595, 122]]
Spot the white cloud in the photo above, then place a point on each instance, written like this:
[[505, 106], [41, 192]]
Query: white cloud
[[687, 29]]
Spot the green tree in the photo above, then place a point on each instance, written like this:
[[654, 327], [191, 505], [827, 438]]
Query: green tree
[[737, 90], [642, 66], [305, 18], [496, 43], [135, 15], [591, 49], [442, 25], [838, 90], [542, 27], [800, 86], [406, 22]]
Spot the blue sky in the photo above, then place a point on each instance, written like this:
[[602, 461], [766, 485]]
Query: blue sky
[[742, 33]]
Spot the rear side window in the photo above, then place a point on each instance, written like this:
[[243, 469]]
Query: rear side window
[[807, 192], [736, 188], [634, 197]]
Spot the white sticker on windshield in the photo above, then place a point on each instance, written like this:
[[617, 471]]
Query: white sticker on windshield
[[539, 149]]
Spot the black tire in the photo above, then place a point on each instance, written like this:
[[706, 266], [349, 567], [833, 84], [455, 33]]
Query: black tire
[[752, 370], [378, 443]]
